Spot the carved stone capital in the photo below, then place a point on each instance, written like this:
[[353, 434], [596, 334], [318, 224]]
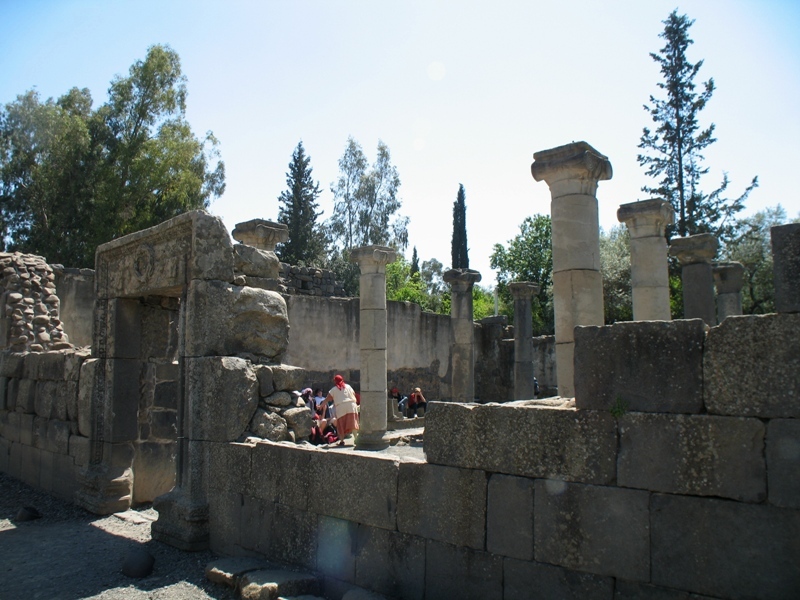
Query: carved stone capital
[[461, 280], [646, 218], [728, 277], [261, 234], [523, 290], [694, 249], [571, 169], [373, 259]]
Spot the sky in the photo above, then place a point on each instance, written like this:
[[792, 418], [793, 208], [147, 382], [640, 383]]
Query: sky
[[462, 92]]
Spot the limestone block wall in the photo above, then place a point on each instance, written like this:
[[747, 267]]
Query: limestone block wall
[[664, 498], [44, 427], [310, 281]]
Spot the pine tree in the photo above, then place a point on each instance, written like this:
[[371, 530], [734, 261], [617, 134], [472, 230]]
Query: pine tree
[[298, 210], [414, 261], [459, 250], [673, 153]]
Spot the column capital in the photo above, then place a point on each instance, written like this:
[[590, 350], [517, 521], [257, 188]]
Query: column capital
[[373, 259], [523, 290], [261, 234], [694, 249], [728, 277], [646, 218], [571, 169], [461, 279]]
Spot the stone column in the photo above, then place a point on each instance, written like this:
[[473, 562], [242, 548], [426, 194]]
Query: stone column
[[786, 267], [523, 291], [728, 279], [646, 222], [572, 173], [462, 335], [695, 253], [372, 261]]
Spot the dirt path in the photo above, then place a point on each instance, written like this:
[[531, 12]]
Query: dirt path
[[72, 554]]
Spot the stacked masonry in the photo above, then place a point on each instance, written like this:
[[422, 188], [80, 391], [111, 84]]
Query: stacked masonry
[[677, 472], [29, 319]]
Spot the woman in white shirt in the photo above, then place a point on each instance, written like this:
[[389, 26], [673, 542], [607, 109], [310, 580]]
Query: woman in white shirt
[[345, 407]]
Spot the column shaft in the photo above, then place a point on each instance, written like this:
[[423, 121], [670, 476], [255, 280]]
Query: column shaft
[[523, 292], [462, 353]]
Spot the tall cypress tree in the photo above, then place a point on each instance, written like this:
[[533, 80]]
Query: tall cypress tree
[[298, 210], [673, 153], [414, 262], [459, 250]]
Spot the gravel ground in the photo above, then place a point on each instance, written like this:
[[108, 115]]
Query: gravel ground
[[70, 553]]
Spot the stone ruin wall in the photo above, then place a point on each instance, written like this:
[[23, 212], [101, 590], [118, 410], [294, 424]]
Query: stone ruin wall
[[29, 306], [672, 472], [310, 281]]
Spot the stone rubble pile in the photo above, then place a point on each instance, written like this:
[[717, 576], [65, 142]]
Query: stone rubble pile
[[31, 317], [280, 416]]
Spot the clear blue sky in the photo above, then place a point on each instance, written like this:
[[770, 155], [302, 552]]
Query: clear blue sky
[[460, 91]]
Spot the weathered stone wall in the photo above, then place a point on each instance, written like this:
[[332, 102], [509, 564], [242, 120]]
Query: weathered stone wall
[[632, 498], [29, 306], [310, 281], [75, 289]]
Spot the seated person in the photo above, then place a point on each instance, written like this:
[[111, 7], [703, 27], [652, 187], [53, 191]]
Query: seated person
[[417, 403], [399, 401]]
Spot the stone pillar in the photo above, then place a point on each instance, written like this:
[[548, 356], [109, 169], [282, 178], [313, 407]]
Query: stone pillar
[[572, 173], [646, 222], [728, 279], [372, 261], [786, 267], [695, 253], [261, 234], [462, 334], [523, 291]]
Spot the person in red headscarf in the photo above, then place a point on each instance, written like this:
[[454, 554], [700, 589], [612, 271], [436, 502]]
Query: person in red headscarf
[[345, 408]]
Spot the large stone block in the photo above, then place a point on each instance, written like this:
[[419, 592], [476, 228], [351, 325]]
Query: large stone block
[[750, 366], [283, 473], [224, 320], [391, 563], [11, 390], [786, 267], [58, 436], [10, 425], [66, 482], [523, 580], [634, 590], [442, 503], [52, 366], [352, 474], [783, 462], [725, 549], [254, 262], [453, 572], [336, 548], [26, 396], [224, 522], [229, 467], [85, 391], [222, 393], [509, 518], [79, 448], [292, 536], [12, 364], [699, 455], [645, 366], [601, 530], [121, 404], [523, 438], [288, 378], [153, 470]]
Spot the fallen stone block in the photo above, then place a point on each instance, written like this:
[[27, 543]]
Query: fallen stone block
[[270, 584], [228, 571]]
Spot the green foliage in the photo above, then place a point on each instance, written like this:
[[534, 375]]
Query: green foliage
[[459, 251], [675, 294], [366, 204], [673, 152], [615, 265], [72, 178], [404, 285], [751, 245], [620, 408], [482, 303], [298, 210], [528, 257], [414, 261]]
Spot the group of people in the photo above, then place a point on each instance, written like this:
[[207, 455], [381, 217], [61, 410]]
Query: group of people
[[335, 415], [413, 405]]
